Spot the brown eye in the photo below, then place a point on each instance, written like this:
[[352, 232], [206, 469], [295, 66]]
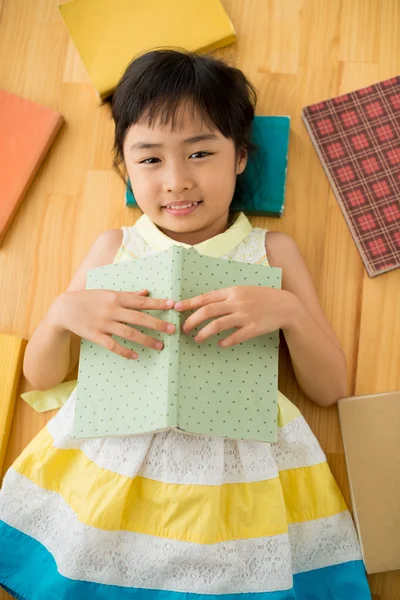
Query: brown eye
[[144, 162], [205, 153]]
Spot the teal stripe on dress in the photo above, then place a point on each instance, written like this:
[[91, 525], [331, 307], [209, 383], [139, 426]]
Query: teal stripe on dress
[[29, 572]]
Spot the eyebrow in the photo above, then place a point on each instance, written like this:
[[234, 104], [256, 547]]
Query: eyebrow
[[191, 140]]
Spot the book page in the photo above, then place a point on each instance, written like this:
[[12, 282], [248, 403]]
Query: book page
[[122, 396], [228, 392]]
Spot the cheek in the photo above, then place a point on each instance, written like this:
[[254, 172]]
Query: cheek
[[221, 182], [143, 184]]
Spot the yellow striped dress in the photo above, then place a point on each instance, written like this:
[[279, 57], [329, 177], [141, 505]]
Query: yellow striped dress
[[172, 516]]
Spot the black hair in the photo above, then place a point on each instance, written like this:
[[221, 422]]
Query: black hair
[[156, 83]]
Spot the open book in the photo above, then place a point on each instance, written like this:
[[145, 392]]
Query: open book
[[197, 388]]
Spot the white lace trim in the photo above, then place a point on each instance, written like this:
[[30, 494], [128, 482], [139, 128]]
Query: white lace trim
[[175, 457], [324, 542], [136, 560], [251, 249], [297, 446]]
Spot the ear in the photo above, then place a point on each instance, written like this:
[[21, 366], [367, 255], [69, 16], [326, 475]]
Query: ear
[[241, 162]]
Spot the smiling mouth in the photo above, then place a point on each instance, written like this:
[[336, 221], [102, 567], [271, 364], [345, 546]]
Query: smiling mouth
[[173, 206]]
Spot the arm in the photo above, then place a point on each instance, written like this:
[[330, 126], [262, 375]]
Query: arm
[[52, 352], [318, 359]]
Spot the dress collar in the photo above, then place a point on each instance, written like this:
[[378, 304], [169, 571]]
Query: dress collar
[[216, 246]]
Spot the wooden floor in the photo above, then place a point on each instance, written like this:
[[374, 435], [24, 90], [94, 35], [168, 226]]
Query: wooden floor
[[296, 52]]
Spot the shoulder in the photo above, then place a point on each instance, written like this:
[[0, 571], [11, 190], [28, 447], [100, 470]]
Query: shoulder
[[280, 248], [107, 244], [102, 252], [282, 251], [110, 236]]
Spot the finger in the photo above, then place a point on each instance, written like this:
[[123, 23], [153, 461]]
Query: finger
[[142, 319], [113, 346], [242, 335], [133, 335], [143, 302], [202, 300], [206, 312], [217, 326]]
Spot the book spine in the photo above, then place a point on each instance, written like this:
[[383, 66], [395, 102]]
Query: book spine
[[12, 348], [172, 343]]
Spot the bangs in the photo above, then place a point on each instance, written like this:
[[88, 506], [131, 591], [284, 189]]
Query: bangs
[[170, 111]]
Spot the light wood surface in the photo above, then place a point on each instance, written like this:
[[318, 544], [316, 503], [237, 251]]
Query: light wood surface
[[296, 52]]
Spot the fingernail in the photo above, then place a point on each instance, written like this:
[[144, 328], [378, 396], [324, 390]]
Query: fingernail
[[159, 345], [178, 305], [169, 303], [170, 327]]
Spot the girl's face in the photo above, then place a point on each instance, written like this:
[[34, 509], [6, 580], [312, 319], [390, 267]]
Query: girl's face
[[192, 164]]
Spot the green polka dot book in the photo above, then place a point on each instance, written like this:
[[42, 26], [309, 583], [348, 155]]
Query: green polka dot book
[[198, 388]]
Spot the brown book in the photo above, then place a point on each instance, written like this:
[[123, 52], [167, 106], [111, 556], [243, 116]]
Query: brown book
[[27, 131], [371, 435]]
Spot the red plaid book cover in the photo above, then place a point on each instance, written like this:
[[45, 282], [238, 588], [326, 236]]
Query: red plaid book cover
[[357, 138]]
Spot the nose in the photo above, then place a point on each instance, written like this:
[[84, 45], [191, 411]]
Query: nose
[[177, 179]]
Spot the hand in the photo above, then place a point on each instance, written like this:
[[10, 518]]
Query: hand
[[252, 310], [96, 315]]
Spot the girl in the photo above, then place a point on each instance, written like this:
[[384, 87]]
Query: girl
[[164, 515]]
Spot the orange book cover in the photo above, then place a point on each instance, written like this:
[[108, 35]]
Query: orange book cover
[[27, 130]]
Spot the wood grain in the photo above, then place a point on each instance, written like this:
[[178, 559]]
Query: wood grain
[[296, 52]]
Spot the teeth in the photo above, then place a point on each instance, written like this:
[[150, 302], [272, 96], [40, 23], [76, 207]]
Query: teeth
[[182, 206]]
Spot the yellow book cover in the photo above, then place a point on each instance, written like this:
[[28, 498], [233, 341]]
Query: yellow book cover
[[12, 348], [110, 33]]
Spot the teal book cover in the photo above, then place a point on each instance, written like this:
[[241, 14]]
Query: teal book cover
[[198, 388], [260, 189]]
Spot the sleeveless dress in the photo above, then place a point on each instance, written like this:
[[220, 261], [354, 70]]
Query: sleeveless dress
[[175, 516]]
